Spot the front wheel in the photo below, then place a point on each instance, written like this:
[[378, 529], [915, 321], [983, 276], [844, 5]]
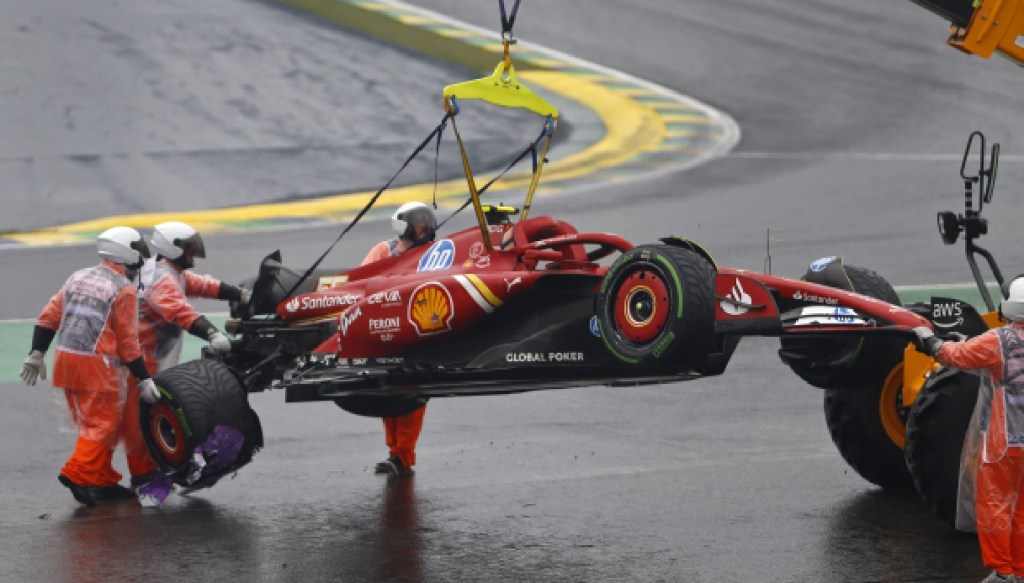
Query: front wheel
[[196, 397], [656, 308]]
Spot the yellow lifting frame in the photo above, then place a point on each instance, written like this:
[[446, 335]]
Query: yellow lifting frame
[[501, 88]]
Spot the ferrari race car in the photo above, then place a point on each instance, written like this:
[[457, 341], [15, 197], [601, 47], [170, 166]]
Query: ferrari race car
[[466, 315], [514, 303]]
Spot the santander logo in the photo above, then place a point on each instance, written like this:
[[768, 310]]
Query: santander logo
[[738, 296]]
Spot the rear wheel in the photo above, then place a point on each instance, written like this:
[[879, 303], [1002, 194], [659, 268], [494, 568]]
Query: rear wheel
[[196, 397], [936, 428], [867, 427], [656, 307]]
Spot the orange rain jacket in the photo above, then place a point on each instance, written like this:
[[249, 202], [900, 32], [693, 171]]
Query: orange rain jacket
[[164, 310], [999, 481], [95, 317]]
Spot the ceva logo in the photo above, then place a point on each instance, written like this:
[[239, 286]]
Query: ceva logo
[[438, 257]]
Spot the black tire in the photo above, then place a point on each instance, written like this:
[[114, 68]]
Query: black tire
[[656, 308], [367, 406], [857, 422], [849, 363], [936, 427], [196, 397]]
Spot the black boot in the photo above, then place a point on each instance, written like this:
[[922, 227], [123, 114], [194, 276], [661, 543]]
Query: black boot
[[81, 493], [115, 492], [392, 466]]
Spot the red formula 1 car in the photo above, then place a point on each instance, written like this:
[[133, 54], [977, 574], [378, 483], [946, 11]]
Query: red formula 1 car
[[515, 303], [465, 315]]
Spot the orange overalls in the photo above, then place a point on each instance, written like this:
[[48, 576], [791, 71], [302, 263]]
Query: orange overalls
[[164, 312], [95, 314], [999, 482], [400, 433]]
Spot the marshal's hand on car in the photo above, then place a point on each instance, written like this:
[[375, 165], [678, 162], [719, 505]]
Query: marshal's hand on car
[[928, 343], [219, 343], [148, 391]]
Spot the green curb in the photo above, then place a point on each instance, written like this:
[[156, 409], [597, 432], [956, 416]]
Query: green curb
[[16, 338], [648, 129], [967, 292]]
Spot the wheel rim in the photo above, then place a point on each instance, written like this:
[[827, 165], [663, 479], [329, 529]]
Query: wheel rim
[[891, 410], [641, 305], [168, 435]]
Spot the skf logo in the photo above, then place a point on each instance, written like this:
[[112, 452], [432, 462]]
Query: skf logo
[[292, 305], [430, 309]]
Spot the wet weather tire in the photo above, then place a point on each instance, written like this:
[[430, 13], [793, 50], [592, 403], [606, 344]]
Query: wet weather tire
[[936, 427], [196, 397], [848, 363], [656, 308], [866, 426]]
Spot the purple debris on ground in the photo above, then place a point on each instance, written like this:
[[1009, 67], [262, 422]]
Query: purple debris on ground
[[154, 492], [216, 454]]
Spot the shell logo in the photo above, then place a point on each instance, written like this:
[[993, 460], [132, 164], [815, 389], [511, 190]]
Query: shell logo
[[431, 309]]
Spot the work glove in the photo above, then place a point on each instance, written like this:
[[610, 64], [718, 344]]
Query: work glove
[[33, 367], [928, 342], [219, 343], [245, 294], [148, 391]]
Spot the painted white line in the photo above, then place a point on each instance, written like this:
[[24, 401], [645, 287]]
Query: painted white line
[[868, 156]]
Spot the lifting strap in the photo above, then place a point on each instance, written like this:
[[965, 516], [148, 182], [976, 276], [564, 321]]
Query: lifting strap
[[437, 131]]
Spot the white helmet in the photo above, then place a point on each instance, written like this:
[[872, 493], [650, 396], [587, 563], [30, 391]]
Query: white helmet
[[410, 215], [173, 239], [122, 245], [1012, 307]]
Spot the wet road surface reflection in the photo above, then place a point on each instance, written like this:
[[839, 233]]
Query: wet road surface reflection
[[721, 479]]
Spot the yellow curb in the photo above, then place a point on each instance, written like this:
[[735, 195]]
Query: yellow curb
[[635, 117]]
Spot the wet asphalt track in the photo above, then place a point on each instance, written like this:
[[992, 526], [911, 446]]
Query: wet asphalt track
[[851, 142]]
